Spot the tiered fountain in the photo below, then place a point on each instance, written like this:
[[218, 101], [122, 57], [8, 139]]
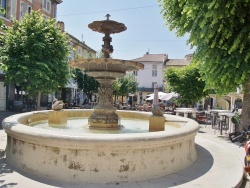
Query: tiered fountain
[[105, 70], [101, 152]]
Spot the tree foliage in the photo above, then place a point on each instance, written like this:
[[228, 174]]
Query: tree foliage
[[85, 82], [187, 83], [2, 29], [35, 54], [124, 85], [220, 31]]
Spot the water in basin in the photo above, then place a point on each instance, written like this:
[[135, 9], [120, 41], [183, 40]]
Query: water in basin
[[78, 125]]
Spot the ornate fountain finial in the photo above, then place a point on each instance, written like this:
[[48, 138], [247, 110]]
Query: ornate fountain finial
[[108, 15], [107, 27]]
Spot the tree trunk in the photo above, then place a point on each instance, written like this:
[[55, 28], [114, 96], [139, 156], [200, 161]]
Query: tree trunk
[[245, 114], [115, 99], [38, 100]]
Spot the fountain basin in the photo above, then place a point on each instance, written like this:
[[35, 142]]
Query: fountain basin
[[99, 158]]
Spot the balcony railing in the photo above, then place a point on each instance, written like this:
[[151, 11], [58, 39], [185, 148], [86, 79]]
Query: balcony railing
[[144, 89]]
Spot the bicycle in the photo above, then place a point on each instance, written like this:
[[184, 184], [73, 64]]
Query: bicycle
[[236, 121], [243, 137]]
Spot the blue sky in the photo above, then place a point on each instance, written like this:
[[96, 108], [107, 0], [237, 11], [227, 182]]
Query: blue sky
[[146, 30]]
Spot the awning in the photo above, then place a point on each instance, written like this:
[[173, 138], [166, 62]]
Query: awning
[[169, 96], [162, 96], [160, 93]]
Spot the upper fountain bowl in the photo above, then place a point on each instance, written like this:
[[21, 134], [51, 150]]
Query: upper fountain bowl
[[107, 26], [110, 67]]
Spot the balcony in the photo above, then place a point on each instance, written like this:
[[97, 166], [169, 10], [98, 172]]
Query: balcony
[[144, 89]]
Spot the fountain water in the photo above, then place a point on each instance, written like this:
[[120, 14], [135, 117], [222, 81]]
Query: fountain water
[[100, 158]]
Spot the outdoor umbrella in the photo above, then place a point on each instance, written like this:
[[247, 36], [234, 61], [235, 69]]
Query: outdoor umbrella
[[160, 95], [169, 96]]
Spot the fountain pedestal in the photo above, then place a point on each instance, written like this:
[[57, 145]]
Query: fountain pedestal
[[57, 118], [156, 123], [157, 120], [104, 119], [104, 116]]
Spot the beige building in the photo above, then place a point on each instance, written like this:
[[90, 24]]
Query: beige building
[[79, 51], [153, 72], [16, 9]]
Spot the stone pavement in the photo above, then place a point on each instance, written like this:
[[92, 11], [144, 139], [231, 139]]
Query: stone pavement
[[219, 164]]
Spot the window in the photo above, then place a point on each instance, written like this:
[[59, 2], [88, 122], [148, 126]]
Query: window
[[3, 4], [153, 84], [6, 5], [24, 9], [29, 9], [154, 70], [135, 73], [154, 73], [72, 52], [46, 4], [85, 52], [79, 50]]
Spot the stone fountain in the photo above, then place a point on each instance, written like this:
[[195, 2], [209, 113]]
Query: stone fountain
[[105, 70], [107, 156]]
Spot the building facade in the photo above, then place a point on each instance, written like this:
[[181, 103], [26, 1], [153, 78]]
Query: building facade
[[153, 73], [16, 9], [79, 51]]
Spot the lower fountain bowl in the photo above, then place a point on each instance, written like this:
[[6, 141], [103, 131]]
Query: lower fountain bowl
[[99, 158]]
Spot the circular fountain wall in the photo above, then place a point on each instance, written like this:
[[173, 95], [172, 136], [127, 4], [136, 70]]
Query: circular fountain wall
[[99, 158]]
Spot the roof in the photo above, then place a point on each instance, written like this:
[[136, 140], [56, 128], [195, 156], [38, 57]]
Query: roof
[[152, 58], [177, 62], [75, 40], [58, 1]]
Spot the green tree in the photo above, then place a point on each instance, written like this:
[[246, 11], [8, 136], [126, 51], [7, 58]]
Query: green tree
[[187, 83], [220, 31], [124, 85], [86, 83], [35, 55], [2, 30], [116, 87]]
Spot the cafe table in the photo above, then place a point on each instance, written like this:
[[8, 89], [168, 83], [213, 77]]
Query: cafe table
[[214, 113], [228, 116]]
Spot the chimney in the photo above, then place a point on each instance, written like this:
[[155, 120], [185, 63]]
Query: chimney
[[61, 25]]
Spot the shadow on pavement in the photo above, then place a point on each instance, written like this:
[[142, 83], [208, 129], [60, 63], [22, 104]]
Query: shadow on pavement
[[5, 168]]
